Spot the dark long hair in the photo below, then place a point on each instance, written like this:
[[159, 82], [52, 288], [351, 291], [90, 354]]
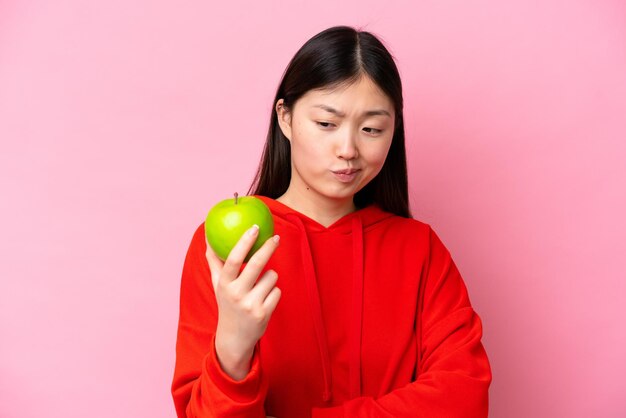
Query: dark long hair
[[336, 56]]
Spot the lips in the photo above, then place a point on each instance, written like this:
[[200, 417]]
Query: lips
[[346, 175], [346, 171]]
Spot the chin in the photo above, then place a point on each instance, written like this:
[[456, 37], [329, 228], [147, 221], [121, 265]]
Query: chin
[[341, 194]]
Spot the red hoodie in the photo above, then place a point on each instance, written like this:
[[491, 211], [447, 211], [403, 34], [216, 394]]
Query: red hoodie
[[374, 321]]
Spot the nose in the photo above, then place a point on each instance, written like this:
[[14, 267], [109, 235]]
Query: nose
[[347, 146]]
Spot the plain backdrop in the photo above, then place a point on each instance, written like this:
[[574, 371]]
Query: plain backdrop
[[123, 122]]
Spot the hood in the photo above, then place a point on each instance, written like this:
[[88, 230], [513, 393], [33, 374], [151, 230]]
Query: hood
[[355, 224], [367, 216]]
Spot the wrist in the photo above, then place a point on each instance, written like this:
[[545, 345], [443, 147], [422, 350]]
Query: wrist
[[234, 360]]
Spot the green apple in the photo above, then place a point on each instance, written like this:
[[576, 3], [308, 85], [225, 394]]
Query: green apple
[[227, 221]]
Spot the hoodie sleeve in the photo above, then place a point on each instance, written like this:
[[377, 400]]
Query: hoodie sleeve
[[453, 372], [200, 388]]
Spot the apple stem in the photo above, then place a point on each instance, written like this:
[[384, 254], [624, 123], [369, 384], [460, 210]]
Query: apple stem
[[236, 194]]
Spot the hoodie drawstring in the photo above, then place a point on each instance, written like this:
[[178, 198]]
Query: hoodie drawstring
[[356, 321], [314, 302], [356, 318]]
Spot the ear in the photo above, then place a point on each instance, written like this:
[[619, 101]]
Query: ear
[[284, 118]]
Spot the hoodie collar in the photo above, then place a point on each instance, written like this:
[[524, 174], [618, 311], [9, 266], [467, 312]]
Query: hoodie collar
[[369, 216], [354, 223]]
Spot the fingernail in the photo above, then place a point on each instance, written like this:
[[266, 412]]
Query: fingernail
[[276, 238], [252, 231]]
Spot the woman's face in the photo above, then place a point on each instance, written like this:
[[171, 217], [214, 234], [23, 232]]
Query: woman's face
[[347, 128]]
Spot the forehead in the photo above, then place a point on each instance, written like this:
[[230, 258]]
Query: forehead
[[362, 94]]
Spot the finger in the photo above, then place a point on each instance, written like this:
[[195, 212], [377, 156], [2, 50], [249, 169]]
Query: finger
[[271, 301], [215, 264], [238, 254], [257, 263], [263, 286]]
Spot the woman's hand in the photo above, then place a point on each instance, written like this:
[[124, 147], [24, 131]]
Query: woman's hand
[[244, 307]]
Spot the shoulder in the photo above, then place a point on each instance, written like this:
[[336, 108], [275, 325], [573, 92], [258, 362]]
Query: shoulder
[[197, 244], [399, 225], [409, 230]]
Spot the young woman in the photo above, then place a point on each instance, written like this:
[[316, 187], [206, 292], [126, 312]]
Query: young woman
[[354, 308]]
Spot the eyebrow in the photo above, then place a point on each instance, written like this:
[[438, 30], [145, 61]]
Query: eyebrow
[[376, 112]]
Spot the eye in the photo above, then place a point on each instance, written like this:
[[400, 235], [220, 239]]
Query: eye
[[373, 130], [324, 124]]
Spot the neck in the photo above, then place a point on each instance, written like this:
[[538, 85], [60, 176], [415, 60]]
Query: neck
[[322, 210]]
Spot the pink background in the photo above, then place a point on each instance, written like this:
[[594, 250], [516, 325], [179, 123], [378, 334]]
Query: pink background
[[122, 122]]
